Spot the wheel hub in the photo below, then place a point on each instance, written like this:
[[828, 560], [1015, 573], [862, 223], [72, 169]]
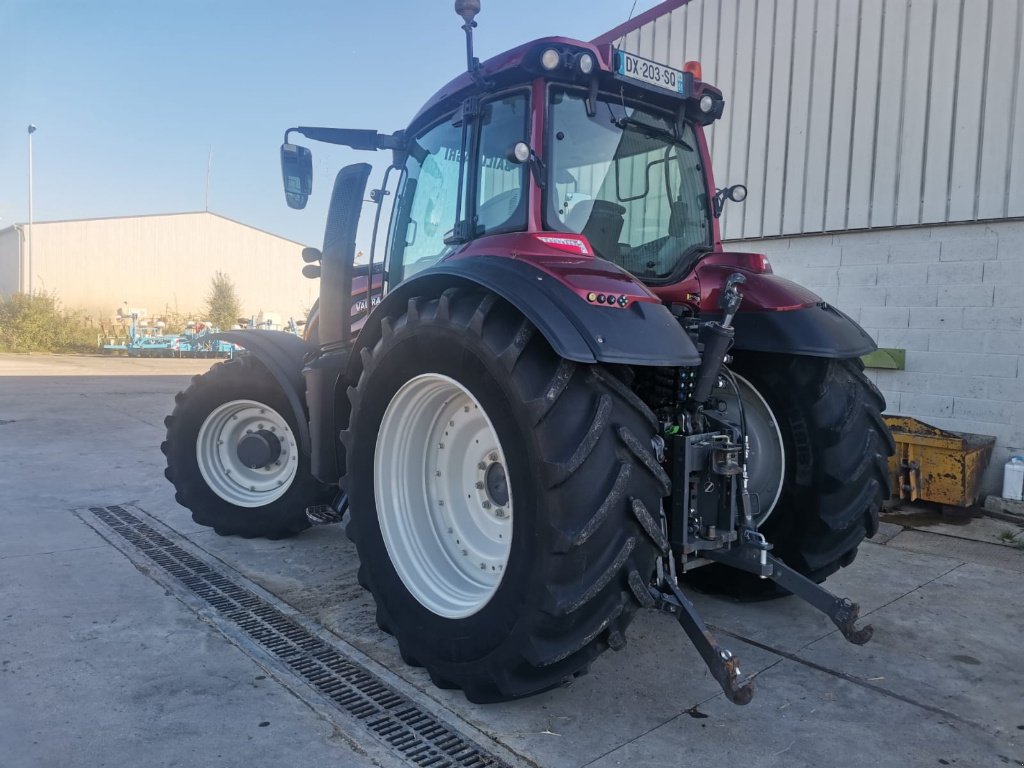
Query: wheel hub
[[247, 453], [259, 449], [496, 484], [767, 461]]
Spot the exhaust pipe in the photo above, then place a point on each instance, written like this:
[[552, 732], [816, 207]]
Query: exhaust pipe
[[339, 253]]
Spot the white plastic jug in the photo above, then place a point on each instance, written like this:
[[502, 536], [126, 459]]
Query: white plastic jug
[[1013, 478]]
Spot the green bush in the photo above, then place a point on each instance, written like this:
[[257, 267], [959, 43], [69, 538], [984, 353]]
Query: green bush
[[37, 323], [222, 304]]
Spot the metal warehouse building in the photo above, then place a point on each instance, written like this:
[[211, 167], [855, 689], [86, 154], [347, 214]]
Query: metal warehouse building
[[162, 262], [882, 143]]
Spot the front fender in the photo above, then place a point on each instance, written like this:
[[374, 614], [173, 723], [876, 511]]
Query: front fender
[[645, 333], [282, 354]]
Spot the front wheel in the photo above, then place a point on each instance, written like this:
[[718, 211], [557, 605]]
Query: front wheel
[[818, 493], [233, 455], [505, 502]]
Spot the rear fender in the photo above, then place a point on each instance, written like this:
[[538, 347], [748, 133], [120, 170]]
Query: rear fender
[[282, 354], [644, 333], [777, 315]]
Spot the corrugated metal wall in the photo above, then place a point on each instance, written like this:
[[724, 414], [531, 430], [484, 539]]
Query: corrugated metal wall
[[851, 114]]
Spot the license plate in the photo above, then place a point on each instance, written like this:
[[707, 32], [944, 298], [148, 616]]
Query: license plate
[[647, 71]]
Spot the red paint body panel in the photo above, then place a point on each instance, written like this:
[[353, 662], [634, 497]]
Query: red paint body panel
[[762, 292], [581, 274]]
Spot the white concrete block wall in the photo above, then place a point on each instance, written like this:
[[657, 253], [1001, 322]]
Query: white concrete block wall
[[951, 295]]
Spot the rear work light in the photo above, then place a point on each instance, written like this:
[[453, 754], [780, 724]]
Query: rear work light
[[574, 244], [550, 59]]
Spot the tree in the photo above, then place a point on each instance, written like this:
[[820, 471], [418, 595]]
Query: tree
[[222, 304]]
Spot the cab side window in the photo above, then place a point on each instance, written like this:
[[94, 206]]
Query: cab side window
[[427, 200], [501, 203]]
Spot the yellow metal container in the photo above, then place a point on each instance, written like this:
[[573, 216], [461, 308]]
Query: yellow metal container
[[937, 465]]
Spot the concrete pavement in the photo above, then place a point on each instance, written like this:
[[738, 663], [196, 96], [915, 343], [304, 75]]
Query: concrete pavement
[[99, 666]]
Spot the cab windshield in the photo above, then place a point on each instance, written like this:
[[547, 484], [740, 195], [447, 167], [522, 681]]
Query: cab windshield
[[628, 179]]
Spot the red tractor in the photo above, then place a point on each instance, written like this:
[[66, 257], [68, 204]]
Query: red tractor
[[567, 396]]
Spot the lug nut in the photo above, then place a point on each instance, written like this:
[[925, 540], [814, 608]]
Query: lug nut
[[479, 485], [493, 457], [486, 505], [481, 465]]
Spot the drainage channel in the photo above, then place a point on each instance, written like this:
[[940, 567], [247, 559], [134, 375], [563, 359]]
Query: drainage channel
[[399, 723]]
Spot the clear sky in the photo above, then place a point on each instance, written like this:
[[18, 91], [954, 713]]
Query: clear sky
[[129, 95]]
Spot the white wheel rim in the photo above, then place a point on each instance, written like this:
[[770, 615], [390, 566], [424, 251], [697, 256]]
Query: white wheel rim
[[223, 470], [767, 461], [436, 479]]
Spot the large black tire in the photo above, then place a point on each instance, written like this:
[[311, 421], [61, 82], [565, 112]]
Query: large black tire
[[242, 378], [836, 449], [587, 492]]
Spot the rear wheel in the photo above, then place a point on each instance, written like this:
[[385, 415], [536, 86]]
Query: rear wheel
[[505, 502], [233, 456], [835, 449]]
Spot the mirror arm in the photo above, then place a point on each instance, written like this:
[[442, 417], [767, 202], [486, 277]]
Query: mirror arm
[[718, 202], [356, 138]]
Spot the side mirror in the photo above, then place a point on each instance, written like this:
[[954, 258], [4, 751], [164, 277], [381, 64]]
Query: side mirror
[[520, 153], [297, 174], [737, 193]]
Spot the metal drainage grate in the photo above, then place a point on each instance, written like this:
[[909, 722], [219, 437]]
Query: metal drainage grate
[[396, 720]]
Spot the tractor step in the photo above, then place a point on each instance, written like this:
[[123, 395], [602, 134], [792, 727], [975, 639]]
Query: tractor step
[[328, 514]]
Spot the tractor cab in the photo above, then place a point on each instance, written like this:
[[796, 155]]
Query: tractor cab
[[594, 144]]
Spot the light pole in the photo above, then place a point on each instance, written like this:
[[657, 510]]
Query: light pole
[[31, 130]]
